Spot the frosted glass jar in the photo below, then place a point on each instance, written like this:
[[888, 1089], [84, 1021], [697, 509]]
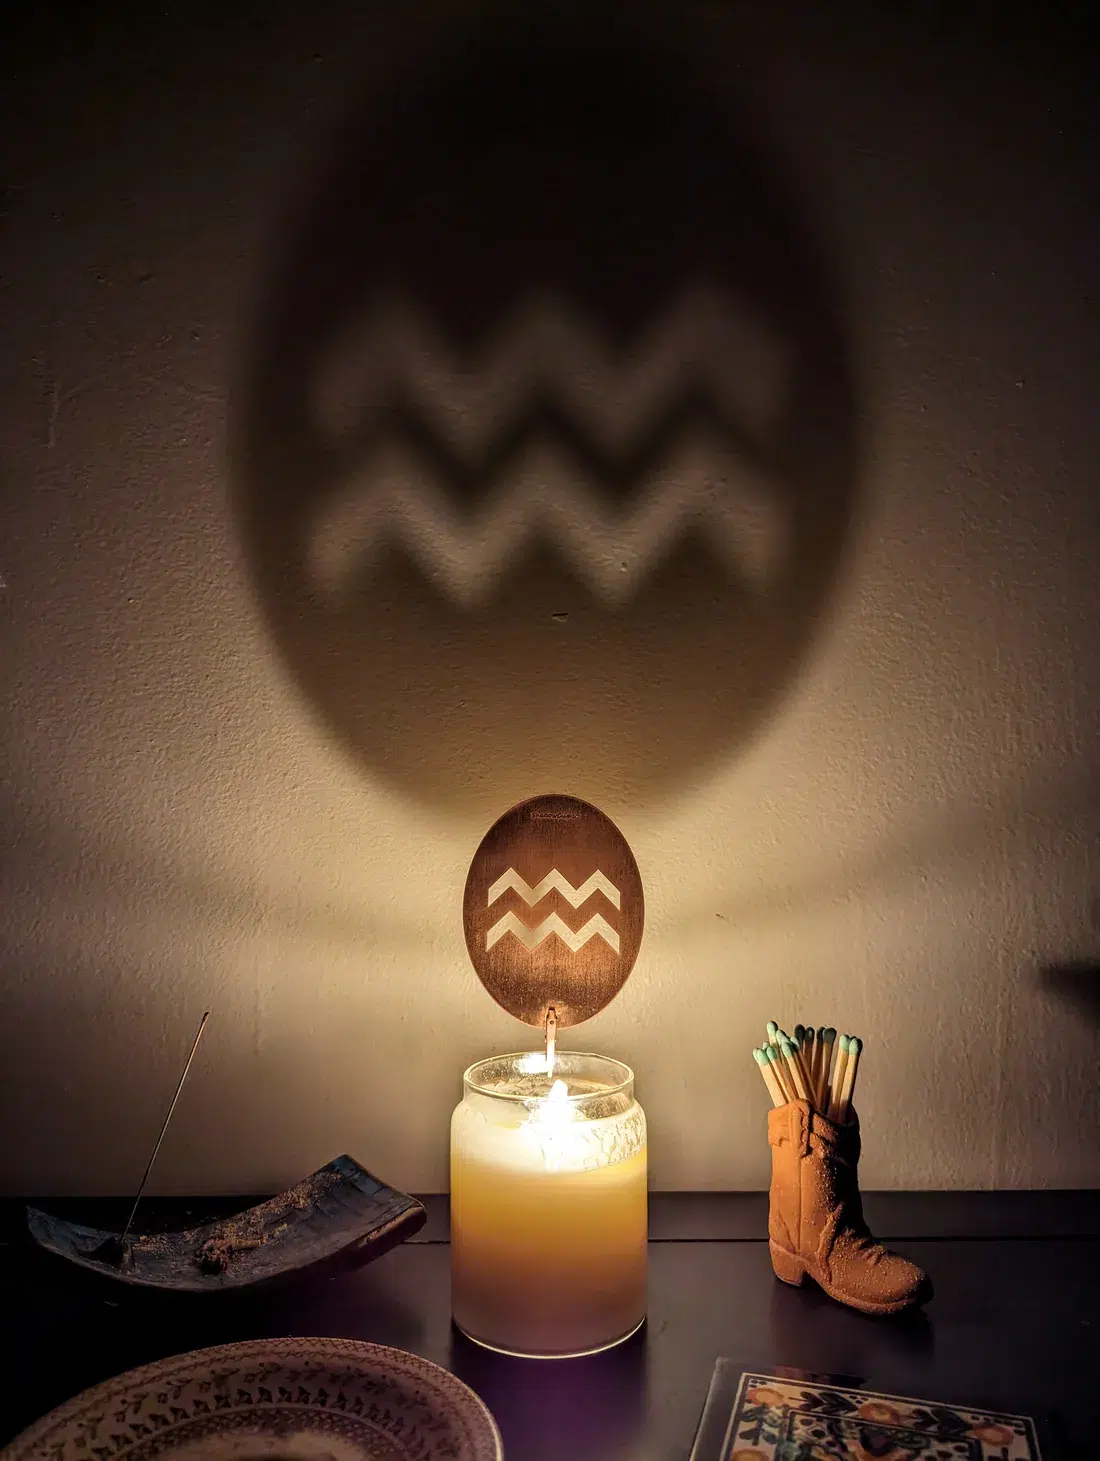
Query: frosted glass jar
[[548, 1205]]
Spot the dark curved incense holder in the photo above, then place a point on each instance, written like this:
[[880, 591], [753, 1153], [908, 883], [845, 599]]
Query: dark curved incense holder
[[339, 1218]]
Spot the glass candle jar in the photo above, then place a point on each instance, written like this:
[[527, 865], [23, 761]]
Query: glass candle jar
[[548, 1205]]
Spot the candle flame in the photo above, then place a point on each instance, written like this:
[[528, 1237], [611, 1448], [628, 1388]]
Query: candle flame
[[551, 1124], [554, 1109]]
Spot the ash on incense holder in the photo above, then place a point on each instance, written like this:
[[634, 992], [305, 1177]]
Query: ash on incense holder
[[339, 1218]]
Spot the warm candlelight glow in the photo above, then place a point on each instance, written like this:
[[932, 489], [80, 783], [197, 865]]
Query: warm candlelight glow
[[548, 1205]]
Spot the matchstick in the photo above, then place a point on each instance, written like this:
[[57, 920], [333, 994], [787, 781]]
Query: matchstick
[[774, 1088], [805, 1049], [827, 1039], [809, 1058], [794, 1067], [791, 1057], [775, 1061], [837, 1083], [783, 1038], [820, 1057], [855, 1045], [803, 1066], [773, 1034], [779, 1070]]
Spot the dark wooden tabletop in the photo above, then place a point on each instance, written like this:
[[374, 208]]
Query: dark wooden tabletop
[[1015, 1321]]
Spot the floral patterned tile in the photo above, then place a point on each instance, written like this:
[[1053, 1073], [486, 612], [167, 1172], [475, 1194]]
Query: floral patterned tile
[[759, 1417]]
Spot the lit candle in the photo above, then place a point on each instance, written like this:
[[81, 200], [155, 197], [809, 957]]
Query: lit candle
[[548, 1204]]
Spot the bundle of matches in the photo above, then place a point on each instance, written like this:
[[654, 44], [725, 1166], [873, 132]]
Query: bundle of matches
[[812, 1065]]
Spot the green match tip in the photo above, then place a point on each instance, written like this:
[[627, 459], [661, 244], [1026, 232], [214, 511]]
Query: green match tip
[[760, 1057], [855, 1045], [773, 1029], [771, 1053], [842, 1043]]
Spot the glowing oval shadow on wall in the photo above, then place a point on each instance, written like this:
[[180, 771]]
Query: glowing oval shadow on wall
[[546, 453]]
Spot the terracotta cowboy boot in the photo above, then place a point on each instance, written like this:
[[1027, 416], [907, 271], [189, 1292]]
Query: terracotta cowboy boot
[[815, 1221]]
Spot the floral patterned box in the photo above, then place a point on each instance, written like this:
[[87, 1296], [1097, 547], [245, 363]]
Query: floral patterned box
[[800, 1417]]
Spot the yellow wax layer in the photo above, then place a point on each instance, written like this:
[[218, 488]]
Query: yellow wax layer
[[548, 1262]]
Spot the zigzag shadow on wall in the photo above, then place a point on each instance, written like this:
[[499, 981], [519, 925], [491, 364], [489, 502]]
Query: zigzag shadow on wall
[[545, 456]]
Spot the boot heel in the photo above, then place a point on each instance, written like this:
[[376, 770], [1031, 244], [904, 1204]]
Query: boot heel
[[788, 1266]]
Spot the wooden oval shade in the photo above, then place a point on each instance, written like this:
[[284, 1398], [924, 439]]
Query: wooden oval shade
[[553, 910]]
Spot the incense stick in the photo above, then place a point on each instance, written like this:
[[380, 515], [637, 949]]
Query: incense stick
[[164, 1128]]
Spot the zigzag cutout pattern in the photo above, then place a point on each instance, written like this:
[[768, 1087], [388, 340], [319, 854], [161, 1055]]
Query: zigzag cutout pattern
[[596, 927], [703, 340], [398, 500], [558, 882]]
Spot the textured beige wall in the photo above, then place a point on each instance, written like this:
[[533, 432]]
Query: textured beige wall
[[903, 846]]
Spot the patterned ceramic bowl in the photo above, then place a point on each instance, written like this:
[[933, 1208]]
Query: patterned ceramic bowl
[[271, 1400]]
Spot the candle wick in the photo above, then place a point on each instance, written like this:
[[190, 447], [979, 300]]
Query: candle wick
[[551, 1039]]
